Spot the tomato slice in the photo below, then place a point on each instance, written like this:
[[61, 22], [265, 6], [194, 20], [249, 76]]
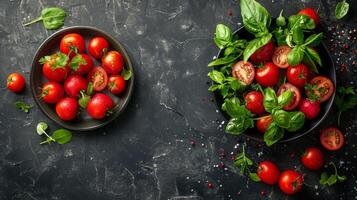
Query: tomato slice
[[296, 95], [243, 72], [280, 56], [99, 78], [332, 139], [322, 87]]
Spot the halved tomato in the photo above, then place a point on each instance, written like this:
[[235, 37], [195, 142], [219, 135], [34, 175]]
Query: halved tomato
[[280, 56], [321, 87], [296, 95], [99, 78], [243, 72], [332, 139]]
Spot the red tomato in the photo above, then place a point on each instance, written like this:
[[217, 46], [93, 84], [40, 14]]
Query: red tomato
[[263, 54], [298, 75], [312, 158], [74, 84], [310, 12], [99, 78], [323, 88], [263, 123], [254, 102], [15, 82], [280, 56], [113, 62], [290, 182], [52, 92], [81, 64], [311, 109], [243, 72], [332, 139], [99, 105], [97, 47], [72, 40], [67, 108], [268, 75], [296, 96], [268, 172], [116, 84]]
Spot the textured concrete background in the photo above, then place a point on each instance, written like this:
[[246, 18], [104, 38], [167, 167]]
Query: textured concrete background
[[147, 153]]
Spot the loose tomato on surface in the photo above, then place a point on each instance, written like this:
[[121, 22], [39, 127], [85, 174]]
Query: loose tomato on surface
[[321, 87], [254, 102], [113, 62], [290, 182], [296, 96], [97, 47], [81, 64], [310, 12], [311, 109], [268, 172], [332, 139], [280, 56], [70, 41], [67, 108], [268, 75], [99, 78], [243, 72], [15, 82], [116, 84], [263, 54], [298, 75], [99, 105], [52, 92], [312, 158], [74, 84], [263, 123]]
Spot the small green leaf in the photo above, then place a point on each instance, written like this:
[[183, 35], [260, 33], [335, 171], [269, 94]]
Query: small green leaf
[[323, 178], [314, 55], [254, 177], [313, 40], [23, 106], [216, 76], [52, 18], [223, 36], [285, 98], [126, 74], [280, 21], [332, 180], [224, 60], [296, 55], [62, 136], [273, 134], [214, 87], [77, 61], [270, 100], [41, 128], [341, 9], [298, 36]]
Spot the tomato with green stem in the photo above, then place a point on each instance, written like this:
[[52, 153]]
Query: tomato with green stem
[[267, 75], [310, 12], [98, 47], [290, 182], [268, 172], [99, 106], [55, 67], [116, 84], [113, 62], [15, 82], [74, 84], [298, 75], [254, 102], [311, 109], [52, 92], [71, 44], [81, 64], [312, 158], [67, 108]]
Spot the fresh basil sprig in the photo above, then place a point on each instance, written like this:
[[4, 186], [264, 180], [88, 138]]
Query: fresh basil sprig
[[243, 162], [228, 86], [346, 99], [23, 106], [341, 9], [325, 179], [61, 136], [52, 18]]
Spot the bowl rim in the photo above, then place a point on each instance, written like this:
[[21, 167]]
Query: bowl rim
[[105, 121]]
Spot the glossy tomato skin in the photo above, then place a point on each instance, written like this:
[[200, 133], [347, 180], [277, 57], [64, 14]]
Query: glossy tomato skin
[[254, 102], [116, 84], [16, 82], [268, 75], [98, 105], [280, 56], [332, 139], [290, 182], [113, 62], [263, 54], [298, 75], [98, 76], [326, 85], [310, 12], [67, 108], [72, 39], [83, 68], [74, 84], [244, 72], [263, 123], [268, 172], [296, 96], [311, 109], [52, 92], [97, 47], [57, 74], [312, 158]]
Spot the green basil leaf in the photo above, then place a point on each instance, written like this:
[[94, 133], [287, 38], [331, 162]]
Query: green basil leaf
[[126, 73], [313, 40], [300, 22], [296, 55], [41, 128], [281, 118], [273, 134], [323, 178], [213, 87], [308, 60], [62, 136], [341, 9], [238, 125], [298, 36], [254, 177], [341, 178], [314, 55], [254, 45], [229, 50], [332, 180], [52, 18], [216, 76], [296, 121], [285, 98], [23, 106], [232, 107], [280, 20], [279, 36], [270, 100], [223, 36], [224, 60], [256, 18]]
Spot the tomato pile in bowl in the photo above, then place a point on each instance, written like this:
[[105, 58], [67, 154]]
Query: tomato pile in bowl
[[81, 78]]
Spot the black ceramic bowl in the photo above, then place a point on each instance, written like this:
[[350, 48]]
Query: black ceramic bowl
[[83, 122], [327, 69]]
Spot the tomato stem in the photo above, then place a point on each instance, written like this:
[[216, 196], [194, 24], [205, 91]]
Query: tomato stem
[[261, 117], [33, 21]]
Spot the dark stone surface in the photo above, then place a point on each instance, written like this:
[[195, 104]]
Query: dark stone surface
[[146, 153]]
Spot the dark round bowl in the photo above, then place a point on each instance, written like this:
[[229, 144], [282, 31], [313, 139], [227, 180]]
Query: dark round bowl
[[83, 122], [327, 69]]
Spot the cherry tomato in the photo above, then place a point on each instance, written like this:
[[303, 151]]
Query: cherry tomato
[[263, 123], [268, 172], [280, 56], [310, 12], [312, 158], [74, 84], [116, 84], [99, 78], [97, 47], [72, 40], [322, 87], [290, 182], [52, 92], [332, 139], [263, 54], [82, 64], [298, 75], [54, 72], [67, 108], [254, 102], [311, 109], [268, 75], [15, 82], [113, 62], [296, 96], [99, 105], [244, 72]]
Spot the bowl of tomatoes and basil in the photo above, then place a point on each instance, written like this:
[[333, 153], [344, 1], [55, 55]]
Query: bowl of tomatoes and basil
[[274, 79], [81, 78]]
